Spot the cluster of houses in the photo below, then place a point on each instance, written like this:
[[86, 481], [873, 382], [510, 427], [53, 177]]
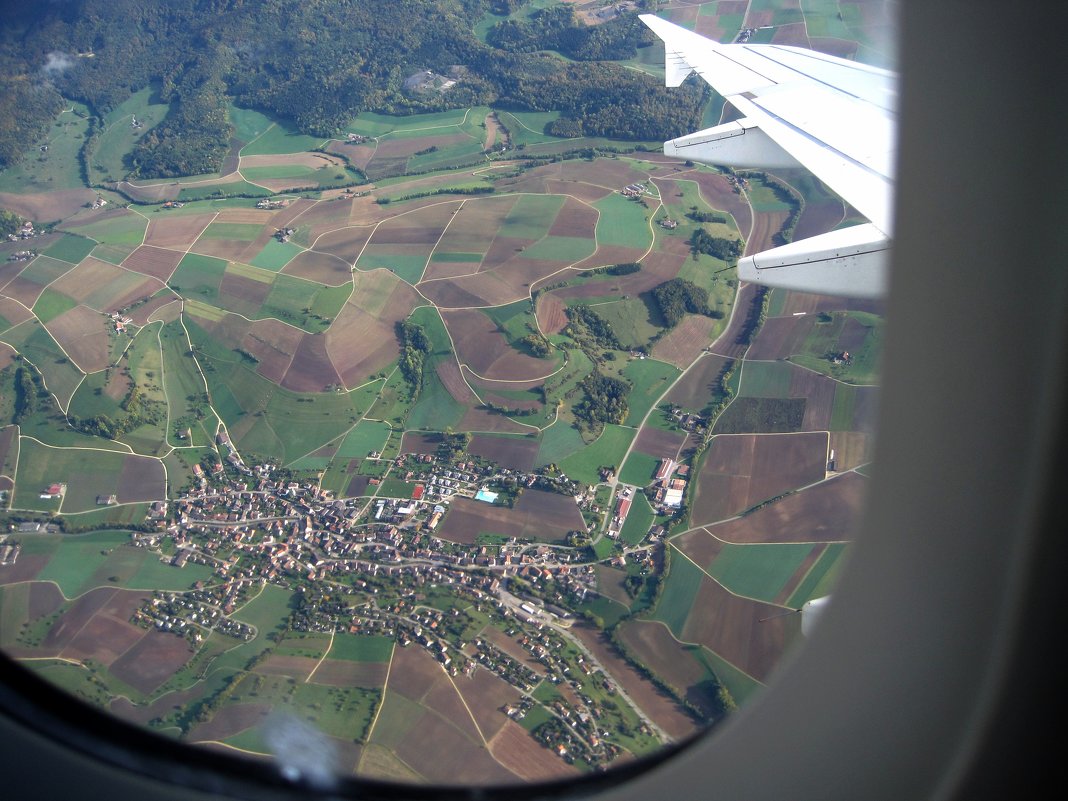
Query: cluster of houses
[[21, 255], [192, 615], [633, 190], [272, 203], [25, 231]]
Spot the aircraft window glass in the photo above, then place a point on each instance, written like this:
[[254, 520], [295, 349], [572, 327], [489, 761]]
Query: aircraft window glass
[[446, 449]]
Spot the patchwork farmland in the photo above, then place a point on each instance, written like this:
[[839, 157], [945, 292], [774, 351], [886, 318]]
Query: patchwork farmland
[[395, 432]]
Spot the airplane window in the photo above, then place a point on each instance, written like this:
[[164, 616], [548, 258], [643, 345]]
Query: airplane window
[[445, 405]]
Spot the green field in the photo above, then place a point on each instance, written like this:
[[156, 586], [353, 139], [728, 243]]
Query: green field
[[766, 379], [276, 255], [758, 571], [680, 591], [278, 139], [623, 222], [361, 647], [57, 165], [649, 379], [70, 248], [119, 136], [639, 519], [639, 469], [607, 450], [125, 231]]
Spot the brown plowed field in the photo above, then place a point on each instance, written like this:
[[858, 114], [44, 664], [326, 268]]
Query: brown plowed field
[[485, 694], [578, 190], [357, 486], [781, 337], [243, 295], [652, 644], [818, 392], [177, 232], [13, 312], [491, 386], [452, 379], [153, 660], [47, 206], [142, 479], [103, 639], [793, 34], [818, 218], [719, 194], [663, 709], [482, 420], [421, 227], [827, 512], [228, 249], [344, 673], [311, 369], [412, 442], [524, 756], [659, 443], [813, 304], [731, 342], [508, 452], [75, 618], [448, 295], [575, 219], [230, 720], [83, 335], [685, 341], [273, 343], [502, 250], [287, 215], [25, 568], [606, 255], [483, 348], [45, 598], [166, 309], [743, 470], [299, 667], [24, 291], [445, 756], [323, 268], [156, 262], [358, 155], [307, 159], [362, 339], [437, 270], [544, 516], [550, 313], [345, 243], [256, 216], [740, 631], [694, 390]]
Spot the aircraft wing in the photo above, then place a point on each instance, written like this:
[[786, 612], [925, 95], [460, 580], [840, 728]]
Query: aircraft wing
[[801, 108]]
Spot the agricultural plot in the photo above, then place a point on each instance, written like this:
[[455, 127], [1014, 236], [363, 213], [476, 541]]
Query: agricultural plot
[[742, 471], [55, 167], [537, 515], [606, 451], [89, 476]]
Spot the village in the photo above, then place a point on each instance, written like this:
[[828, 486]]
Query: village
[[374, 566]]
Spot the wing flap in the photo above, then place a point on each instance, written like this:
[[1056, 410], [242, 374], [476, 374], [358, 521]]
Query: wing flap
[[850, 261]]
